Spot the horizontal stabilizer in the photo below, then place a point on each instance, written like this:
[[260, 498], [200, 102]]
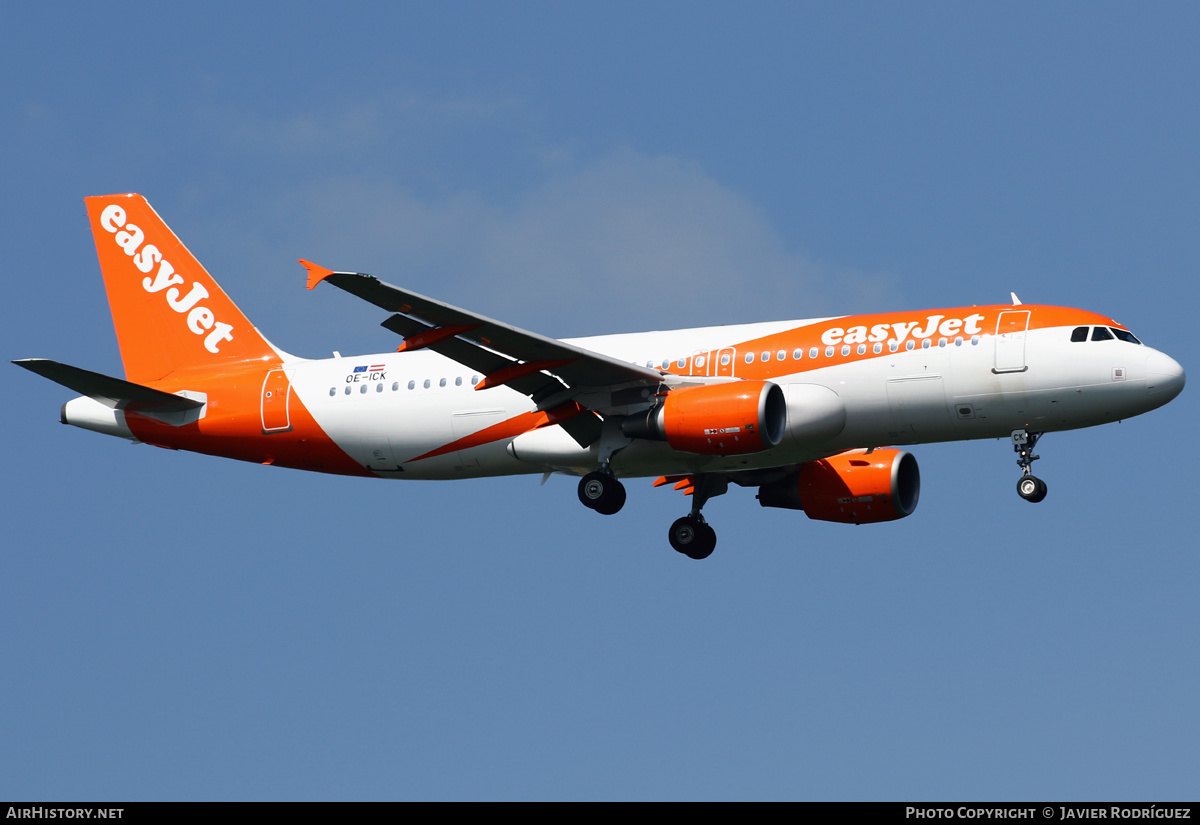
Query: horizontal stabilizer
[[115, 393]]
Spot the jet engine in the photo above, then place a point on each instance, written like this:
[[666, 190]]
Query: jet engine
[[855, 487], [732, 418]]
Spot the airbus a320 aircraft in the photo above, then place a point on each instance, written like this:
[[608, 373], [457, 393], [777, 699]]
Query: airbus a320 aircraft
[[802, 410]]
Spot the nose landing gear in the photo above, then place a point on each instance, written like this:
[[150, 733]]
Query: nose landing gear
[[1029, 487]]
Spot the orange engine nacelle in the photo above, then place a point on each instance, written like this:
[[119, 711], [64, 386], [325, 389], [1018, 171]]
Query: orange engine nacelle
[[733, 418], [852, 488]]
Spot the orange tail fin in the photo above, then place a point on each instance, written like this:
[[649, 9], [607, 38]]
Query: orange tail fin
[[168, 311]]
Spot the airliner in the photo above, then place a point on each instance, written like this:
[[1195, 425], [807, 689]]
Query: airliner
[[813, 413]]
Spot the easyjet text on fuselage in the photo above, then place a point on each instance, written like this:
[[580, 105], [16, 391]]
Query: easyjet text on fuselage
[[947, 327]]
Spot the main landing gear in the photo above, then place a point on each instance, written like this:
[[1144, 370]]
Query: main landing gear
[[602, 492], [692, 535], [1029, 487]]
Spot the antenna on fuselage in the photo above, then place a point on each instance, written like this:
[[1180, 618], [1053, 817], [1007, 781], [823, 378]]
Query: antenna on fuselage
[[1016, 300]]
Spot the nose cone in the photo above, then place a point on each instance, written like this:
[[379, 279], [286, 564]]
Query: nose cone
[[1164, 377]]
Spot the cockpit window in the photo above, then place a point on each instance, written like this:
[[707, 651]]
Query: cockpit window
[[1101, 334], [1079, 334], [1125, 336]]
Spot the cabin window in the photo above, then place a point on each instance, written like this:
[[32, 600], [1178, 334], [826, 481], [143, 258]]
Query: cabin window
[[379, 387], [958, 341], [893, 345], [942, 343], [812, 353], [1101, 334], [797, 354], [974, 340], [699, 361], [474, 380], [362, 389], [845, 349], [749, 358], [458, 381], [412, 385], [910, 345], [395, 386], [828, 352], [862, 349], [666, 364], [347, 390], [878, 348], [681, 363], [332, 392], [781, 356], [426, 383], [1079, 334], [925, 344], [725, 360], [766, 356]]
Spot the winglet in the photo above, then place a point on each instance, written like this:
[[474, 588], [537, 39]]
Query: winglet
[[316, 274]]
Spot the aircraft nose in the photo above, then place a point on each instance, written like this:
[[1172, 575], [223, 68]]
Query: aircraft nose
[[1164, 376]]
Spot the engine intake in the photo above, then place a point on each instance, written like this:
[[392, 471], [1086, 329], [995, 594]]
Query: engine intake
[[732, 418], [851, 488]]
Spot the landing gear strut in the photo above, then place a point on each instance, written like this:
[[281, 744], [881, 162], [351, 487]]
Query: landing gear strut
[[1029, 487], [692, 535], [602, 492]]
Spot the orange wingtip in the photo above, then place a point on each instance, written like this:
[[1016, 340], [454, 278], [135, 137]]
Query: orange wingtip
[[316, 274]]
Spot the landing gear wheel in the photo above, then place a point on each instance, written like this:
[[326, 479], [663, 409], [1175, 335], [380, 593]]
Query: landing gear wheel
[[1031, 488], [692, 537], [602, 493]]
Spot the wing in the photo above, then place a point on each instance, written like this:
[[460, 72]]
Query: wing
[[549, 371]]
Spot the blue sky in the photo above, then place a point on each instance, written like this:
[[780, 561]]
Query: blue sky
[[180, 627]]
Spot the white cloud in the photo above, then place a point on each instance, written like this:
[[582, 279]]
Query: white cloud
[[370, 129], [621, 243]]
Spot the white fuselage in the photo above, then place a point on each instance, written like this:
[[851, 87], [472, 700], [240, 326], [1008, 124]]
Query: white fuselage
[[943, 389]]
